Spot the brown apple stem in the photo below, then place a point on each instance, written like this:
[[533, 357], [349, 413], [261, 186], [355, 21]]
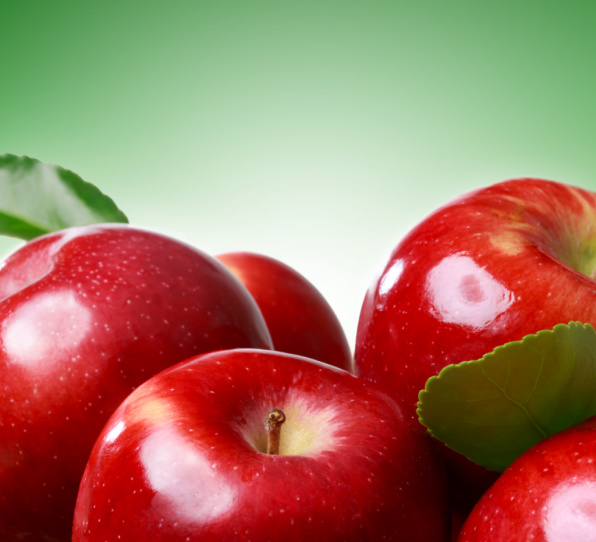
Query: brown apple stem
[[273, 422]]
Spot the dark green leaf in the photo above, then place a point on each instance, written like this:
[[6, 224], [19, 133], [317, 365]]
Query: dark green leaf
[[37, 198], [493, 409]]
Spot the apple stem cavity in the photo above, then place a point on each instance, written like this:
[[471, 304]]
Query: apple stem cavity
[[273, 422]]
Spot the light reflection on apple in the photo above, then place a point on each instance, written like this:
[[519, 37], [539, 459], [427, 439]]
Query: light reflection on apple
[[390, 277], [571, 513], [182, 478], [115, 432], [463, 293], [46, 327]]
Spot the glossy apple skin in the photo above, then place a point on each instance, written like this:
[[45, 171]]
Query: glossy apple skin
[[300, 319], [547, 495], [179, 460], [86, 315], [488, 268]]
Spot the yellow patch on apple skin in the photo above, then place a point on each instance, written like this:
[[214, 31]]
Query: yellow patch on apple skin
[[154, 411], [510, 242], [584, 233], [306, 431], [235, 270], [513, 239], [515, 213], [572, 242], [587, 206]]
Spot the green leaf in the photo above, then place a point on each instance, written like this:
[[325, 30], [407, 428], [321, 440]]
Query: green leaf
[[493, 409], [38, 198]]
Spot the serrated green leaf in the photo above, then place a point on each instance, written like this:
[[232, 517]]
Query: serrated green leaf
[[38, 198], [493, 409]]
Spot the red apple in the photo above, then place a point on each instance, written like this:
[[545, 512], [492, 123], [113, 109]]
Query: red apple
[[547, 495], [184, 458], [299, 318], [489, 268], [86, 315]]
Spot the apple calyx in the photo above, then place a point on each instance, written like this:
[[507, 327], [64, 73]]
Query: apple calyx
[[273, 423]]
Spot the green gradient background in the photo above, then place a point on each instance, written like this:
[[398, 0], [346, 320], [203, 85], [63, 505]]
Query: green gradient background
[[317, 132]]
